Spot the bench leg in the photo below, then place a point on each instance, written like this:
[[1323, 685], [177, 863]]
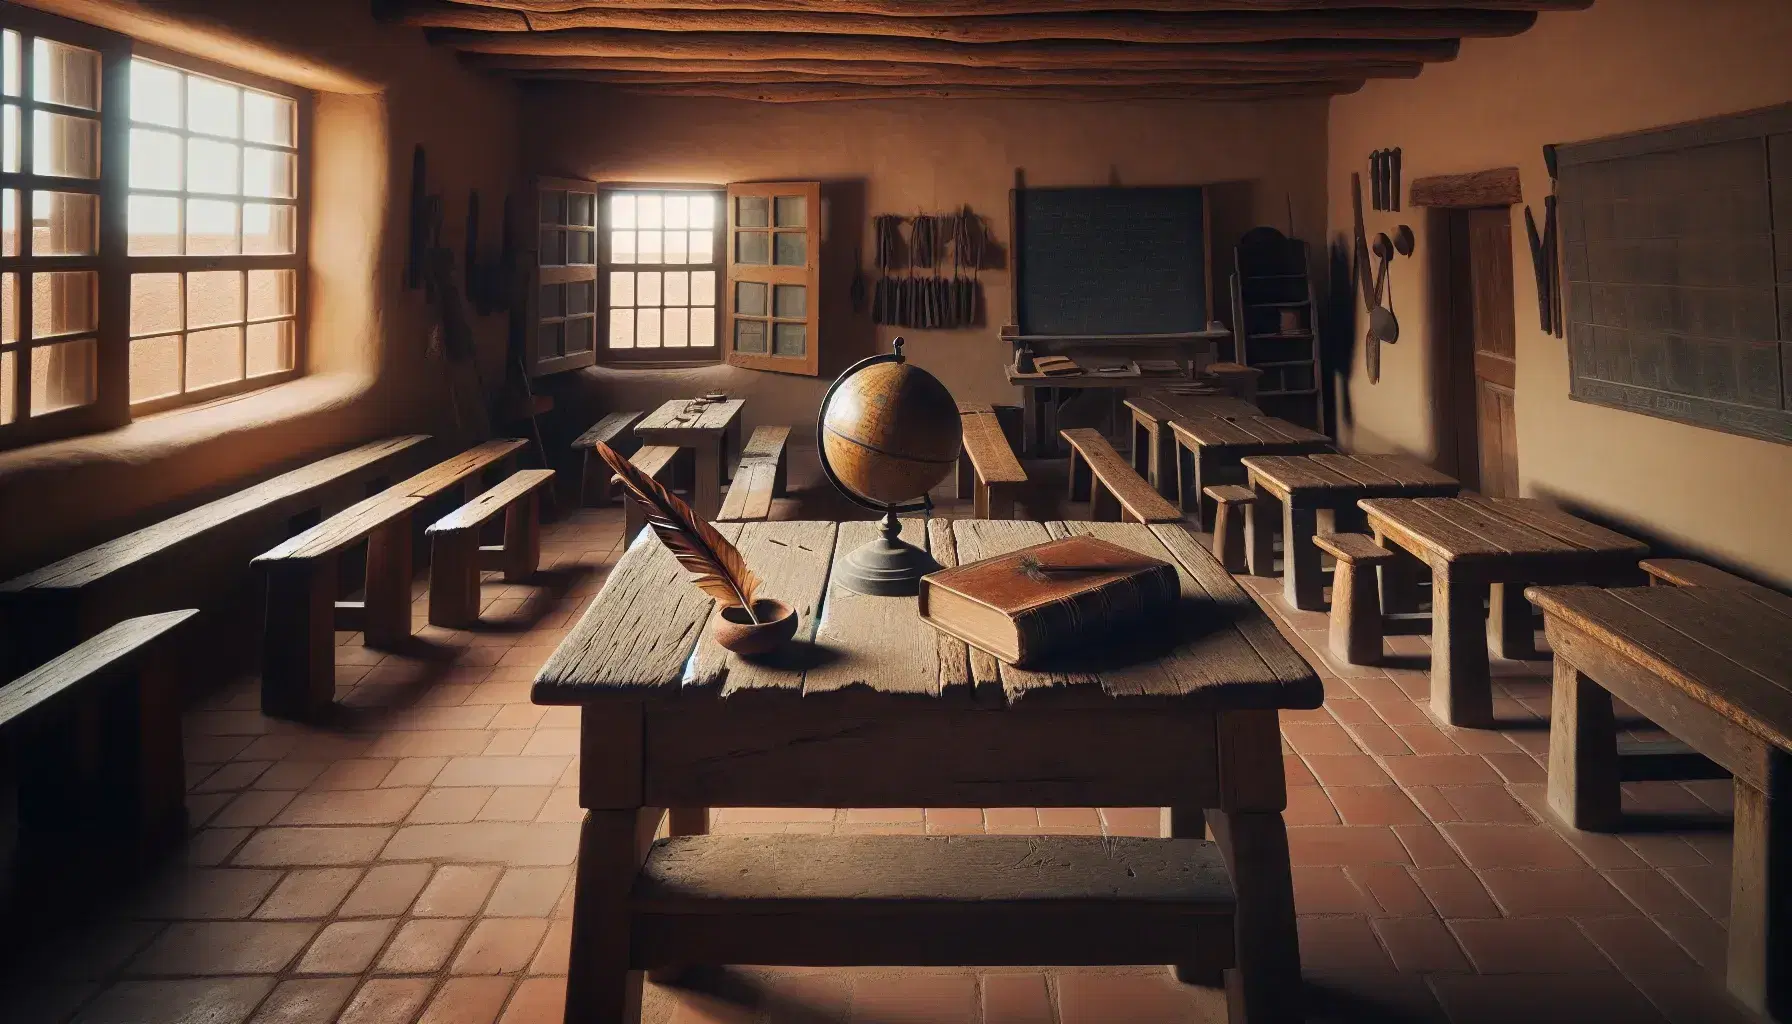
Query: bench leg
[[158, 778], [998, 501], [1461, 690], [389, 584], [1138, 451], [1356, 617], [980, 499], [1302, 586], [1229, 537], [522, 538], [1103, 506], [298, 649], [454, 579], [1583, 751], [1265, 987], [1511, 632], [1260, 533], [967, 478], [1080, 477], [1761, 893], [601, 989]]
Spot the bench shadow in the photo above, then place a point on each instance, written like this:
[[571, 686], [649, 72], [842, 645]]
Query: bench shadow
[[550, 588], [1650, 822]]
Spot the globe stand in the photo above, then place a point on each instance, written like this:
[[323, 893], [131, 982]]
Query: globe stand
[[887, 566]]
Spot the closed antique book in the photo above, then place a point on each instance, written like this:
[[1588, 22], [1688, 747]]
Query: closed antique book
[[1027, 604]]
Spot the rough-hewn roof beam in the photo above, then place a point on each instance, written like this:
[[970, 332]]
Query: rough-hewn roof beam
[[940, 74], [1008, 77], [956, 8], [829, 92]]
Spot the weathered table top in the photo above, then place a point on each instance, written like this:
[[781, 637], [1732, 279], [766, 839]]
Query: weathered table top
[[1342, 478], [1477, 529], [687, 415], [1244, 431], [1723, 648], [1164, 406], [645, 637]]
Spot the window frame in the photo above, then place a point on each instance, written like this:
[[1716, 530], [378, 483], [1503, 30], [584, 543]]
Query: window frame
[[645, 358], [112, 407], [773, 274]]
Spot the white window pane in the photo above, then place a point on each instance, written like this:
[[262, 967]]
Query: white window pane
[[647, 328], [64, 376], [9, 222], [214, 357], [12, 57], [678, 288], [269, 173], [268, 118], [703, 327], [703, 211], [211, 227], [675, 247], [270, 348], [212, 107], [622, 247], [622, 288], [212, 166], [269, 229], [65, 302], [214, 297], [703, 287], [63, 146], [622, 328], [652, 251], [649, 211], [703, 247], [13, 141], [272, 293], [677, 328], [154, 225], [9, 308], [647, 288], [63, 224], [155, 159], [155, 367], [622, 210], [155, 94], [678, 211], [65, 75]]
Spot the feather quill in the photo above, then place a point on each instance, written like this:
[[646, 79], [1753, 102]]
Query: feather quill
[[718, 568]]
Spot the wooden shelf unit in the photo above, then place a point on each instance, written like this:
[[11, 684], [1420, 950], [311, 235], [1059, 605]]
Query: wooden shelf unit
[[1270, 278]]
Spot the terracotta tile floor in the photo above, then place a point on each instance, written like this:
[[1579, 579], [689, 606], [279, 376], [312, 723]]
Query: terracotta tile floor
[[414, 863]]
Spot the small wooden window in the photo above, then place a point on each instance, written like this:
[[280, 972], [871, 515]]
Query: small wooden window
[[563, 292], [774, 276], [660, 279]]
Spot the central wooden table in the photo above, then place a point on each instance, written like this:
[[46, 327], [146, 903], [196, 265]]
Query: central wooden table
[[1153, 449], [1477, 545], [1714, 668], [1303, 485], [1209, 451], [711, 430], [873, 708]]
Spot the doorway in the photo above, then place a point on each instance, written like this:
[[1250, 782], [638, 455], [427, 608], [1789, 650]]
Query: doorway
[[1479, 358]]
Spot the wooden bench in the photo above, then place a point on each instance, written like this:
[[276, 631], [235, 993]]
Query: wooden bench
[[988, 471], [1100, 476], [933, 900], [617, 431], [194, 558], [298, 676], [455, 555], [763, 474], [1712, 666], [662, 462], [1232, 503], [1684, 572], [1356, 605], [94, 736]]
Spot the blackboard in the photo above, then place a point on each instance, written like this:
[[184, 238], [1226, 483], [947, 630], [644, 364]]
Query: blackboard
[[1677, 254], [1110, 261]]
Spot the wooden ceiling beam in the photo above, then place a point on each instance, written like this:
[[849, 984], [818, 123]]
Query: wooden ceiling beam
[[1006, 77], [828, 92], [959, 8], [1130, 27], [1044, 53], [940, 74]]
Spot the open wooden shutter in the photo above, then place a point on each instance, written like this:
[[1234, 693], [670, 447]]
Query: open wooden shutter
[[774, 276], [563, 292]]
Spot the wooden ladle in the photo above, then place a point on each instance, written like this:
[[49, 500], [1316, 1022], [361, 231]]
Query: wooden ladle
[[1383, 325]]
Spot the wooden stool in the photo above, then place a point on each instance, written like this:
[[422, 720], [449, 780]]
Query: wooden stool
[[1234, 502], [1356, 612]]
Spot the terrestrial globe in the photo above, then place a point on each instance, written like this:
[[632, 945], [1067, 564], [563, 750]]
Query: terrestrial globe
[[888, 433]]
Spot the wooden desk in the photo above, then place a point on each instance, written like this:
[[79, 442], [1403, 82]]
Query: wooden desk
[[712, 432], [1714, 668], [1209, 450], [1304, 484], [873, 708], [1153, 449], [1474, 544]]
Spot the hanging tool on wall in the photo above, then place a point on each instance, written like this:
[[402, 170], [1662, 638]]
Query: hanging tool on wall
[[1553, 245], [1394, 180]]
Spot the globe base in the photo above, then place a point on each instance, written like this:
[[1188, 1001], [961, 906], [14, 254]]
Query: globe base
[[886, 567]]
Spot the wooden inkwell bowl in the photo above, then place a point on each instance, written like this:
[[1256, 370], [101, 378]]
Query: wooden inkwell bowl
[[737, 632]]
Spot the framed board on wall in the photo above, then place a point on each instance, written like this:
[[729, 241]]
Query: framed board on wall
[[1677, 255]]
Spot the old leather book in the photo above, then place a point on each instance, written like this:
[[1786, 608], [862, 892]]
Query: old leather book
[[1025, 605]]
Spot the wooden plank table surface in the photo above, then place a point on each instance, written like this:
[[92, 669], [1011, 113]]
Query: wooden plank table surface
[[1479, 548], [711, 430], [1210, 450], [1302, 485], [1714, 668], [1153, 449], [871, 707]]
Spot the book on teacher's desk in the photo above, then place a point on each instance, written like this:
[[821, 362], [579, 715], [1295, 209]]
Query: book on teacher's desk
[[1027, 604]]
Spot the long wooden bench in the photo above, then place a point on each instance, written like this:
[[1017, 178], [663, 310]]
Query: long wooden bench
[[94, 736], [616, 430], [1684, 572], [662, 462], [987, 467], [193, 558], [456, 557], [933, 900], [763, 474], [1100, 476], [298, 676]]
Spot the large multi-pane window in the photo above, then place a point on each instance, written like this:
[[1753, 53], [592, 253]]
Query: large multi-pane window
[[151, 247], [661, 274]]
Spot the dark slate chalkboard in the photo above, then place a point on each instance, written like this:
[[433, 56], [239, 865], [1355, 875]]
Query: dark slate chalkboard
[[1677, 250], [1110, 261]]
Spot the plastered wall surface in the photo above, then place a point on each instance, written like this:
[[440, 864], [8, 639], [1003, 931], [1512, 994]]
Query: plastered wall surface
[[914, 156], [380, 90], [1620, 66]]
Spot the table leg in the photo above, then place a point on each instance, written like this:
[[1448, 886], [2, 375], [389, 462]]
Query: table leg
[[1185, 477], [1461, 688], [1583, 751], [1302, 586], [1265, 987], [1203, 467], [1260, 533], [681, 821], [707, 490], [1139, 450], [1399, 579], [1761, 892], [601, 989], [1510, 629]]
